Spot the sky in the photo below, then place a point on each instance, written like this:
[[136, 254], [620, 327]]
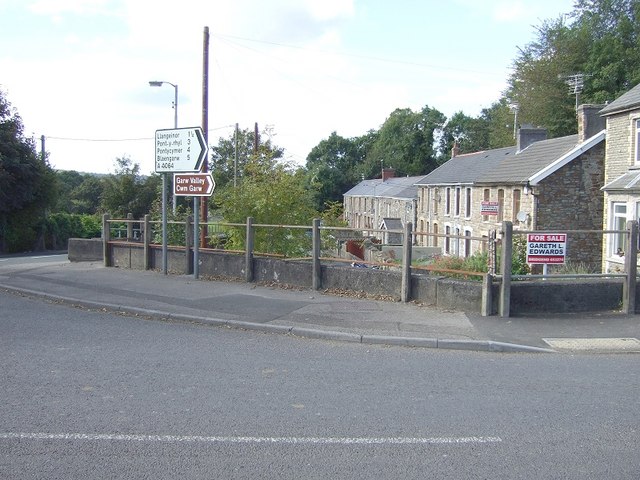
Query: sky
[[78, 71]]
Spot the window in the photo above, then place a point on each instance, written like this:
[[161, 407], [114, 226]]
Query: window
[[457, 252], [435, 234], [500, 205], [457, 201], [422, 237], [436, 201], [447, 239], [637, 137], [486, 197], [618, 222], [467, 243], [516, 205], [467, 203], [447, 202]]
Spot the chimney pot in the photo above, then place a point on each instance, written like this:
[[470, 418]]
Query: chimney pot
[[455, 151], [388, 173]]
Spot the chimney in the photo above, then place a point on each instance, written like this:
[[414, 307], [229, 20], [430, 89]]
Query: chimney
[[589, 121], [528, 134], [388, 173], [455, 151]]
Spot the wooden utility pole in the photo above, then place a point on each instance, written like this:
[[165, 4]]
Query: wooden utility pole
[[205, 128]]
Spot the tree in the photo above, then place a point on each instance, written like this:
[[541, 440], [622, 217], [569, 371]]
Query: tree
[[85, 198], [612, 29], [27, 184], [471, 135], [272, 192], [538, 83], [406, 142], [332, 169], [223, 163], [126, 191]]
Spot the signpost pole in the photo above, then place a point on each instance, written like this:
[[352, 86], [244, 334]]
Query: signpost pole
[[164, 223], [196, 238]]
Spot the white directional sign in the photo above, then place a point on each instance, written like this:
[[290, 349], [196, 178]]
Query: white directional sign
[[180, 150]]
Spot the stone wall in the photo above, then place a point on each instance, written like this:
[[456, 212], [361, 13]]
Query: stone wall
[[572, 199], [432, 290]]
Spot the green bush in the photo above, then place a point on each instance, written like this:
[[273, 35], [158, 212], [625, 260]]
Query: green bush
[[60, 227]]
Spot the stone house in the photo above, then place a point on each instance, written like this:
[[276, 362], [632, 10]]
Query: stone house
[[538, 184], [381, 203], [622, 174]]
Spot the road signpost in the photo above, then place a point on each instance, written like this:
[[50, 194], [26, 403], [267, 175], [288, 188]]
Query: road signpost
[[180, 150], [177, 150], [193, 184]]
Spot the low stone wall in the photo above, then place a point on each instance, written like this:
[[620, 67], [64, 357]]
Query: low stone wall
[[85, 250], [553, 296], [527, 297]]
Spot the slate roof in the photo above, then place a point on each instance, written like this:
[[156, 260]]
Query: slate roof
[[629, 181], [391, 224], [395, 187], [627, 101], [467, 168], [520, 167], [507, 165]]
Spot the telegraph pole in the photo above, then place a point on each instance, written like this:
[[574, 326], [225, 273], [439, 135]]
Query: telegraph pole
[[205, 127]]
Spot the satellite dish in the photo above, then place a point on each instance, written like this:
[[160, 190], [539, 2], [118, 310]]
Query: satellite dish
[[522, 216]]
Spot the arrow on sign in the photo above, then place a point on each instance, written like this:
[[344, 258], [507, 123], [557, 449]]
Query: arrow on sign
[[180, 150], [193, 184]]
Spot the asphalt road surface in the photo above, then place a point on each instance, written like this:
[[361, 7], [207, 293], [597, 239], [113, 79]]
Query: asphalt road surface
[[93, 395]]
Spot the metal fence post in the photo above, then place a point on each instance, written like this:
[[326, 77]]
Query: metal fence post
[[631, 268], [146, 241], [505, 268], [248, 259], [188, 234], [486, 308], [106, 238], [316, 268], [405, 288]]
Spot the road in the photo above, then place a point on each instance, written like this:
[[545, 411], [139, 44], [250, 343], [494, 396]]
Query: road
[[88, 395]]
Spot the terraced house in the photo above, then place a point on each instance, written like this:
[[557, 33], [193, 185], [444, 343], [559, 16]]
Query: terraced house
[[538, 184], [622, 174]]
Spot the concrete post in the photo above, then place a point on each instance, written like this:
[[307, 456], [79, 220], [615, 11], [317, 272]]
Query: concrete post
[[486, 308], [405, 288], [188, 233], [146, 242], [106, 238], [129, 227], [631, 268], [316, 267], [505, 269], [248, 262]]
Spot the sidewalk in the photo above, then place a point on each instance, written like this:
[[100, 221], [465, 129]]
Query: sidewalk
[[312, 314]]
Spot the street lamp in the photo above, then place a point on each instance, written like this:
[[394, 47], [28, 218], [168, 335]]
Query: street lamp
[[158, 83]]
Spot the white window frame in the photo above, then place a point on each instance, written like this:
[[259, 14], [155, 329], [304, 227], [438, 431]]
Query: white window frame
[[468, 199], [618, 221], [467, 242], [447, 201], [636, 133]]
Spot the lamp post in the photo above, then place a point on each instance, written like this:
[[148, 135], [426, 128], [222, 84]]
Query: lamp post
[[159, 83]]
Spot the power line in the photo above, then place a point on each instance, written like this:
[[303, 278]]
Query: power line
[[354, 55], [72, 139]]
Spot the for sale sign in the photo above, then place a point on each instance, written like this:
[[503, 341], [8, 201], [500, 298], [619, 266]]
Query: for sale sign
[[546, 247], [489, 208]]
